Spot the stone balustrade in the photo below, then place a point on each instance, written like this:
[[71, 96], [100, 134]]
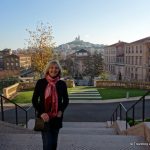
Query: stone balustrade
[[70, 83], [142, 129], [10, 91], [141, 85]]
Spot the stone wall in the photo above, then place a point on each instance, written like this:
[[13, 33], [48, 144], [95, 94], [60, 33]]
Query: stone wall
[[140, 85], [10, 91]]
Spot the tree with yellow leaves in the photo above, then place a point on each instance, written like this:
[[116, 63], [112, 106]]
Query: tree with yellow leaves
[[40, 46]]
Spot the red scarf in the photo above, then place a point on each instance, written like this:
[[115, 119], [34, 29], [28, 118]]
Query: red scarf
[[51, 97]]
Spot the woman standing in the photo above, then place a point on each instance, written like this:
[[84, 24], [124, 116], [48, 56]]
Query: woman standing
[[53, 100]]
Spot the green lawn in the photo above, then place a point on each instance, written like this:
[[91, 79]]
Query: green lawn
[[106, 93], [23, 97], [114, 93]]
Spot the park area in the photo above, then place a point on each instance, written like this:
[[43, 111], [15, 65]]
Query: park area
[[106, 93]]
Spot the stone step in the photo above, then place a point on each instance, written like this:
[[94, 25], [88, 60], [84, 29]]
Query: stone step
[[14, 129], [77, 89], [85, 98], [31, 123], [87, 131], [74, 142], [82, 101], [20, 142], [84, 124], [73, 136], [100, 142], [84, 94]]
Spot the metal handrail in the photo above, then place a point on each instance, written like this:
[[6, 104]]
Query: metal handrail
[[143, 97], [16, 110], [120, 106], [143, 107], [115, 116]]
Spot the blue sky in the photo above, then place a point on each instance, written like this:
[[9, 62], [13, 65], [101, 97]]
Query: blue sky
[[96, 21]]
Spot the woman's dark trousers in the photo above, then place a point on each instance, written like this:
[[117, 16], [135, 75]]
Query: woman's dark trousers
[[50, 138]]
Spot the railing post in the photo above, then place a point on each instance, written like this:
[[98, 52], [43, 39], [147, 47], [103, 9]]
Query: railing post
[[126, 120], [26, 119], [35, 113], [116, 114], [143, 115], [2, 109], [133, 115], [16, 110], [113, 118], [120, 113]]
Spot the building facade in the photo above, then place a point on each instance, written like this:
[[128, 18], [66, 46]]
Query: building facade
[[137, 60], [128, 61], [11, 61], [114, 60], [78, 59], [24, 61], [4, 53]]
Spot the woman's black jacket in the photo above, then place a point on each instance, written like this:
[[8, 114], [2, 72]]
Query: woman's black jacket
[[38, 100]]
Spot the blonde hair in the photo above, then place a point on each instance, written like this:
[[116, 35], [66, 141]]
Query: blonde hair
[[56, 62]]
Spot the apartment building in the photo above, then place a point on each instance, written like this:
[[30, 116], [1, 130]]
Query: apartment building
[[4, 53], [11, 62], [24, 60], [137, 60], [16, 62], [128, 61], [114, 60], [78, 59]]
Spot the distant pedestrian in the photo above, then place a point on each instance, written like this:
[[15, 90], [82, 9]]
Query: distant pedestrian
[[53, 101]]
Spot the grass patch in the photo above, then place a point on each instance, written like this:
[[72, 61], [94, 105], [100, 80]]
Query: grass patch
[[23, 97], [114, 93]]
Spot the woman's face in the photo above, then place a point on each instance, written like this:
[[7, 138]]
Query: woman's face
[[53, 70]]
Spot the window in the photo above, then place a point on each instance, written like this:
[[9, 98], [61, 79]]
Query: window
[[132, 49], [132, 60], [136, 60], [136, 49], [136, 76], [140, 48], [140, 61]]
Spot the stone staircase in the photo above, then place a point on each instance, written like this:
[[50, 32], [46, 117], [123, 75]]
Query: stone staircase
[[96, 136], [13, 137], [82, 94], [73, 136]]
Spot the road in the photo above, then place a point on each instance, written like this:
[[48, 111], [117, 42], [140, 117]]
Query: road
[[82, 112]]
